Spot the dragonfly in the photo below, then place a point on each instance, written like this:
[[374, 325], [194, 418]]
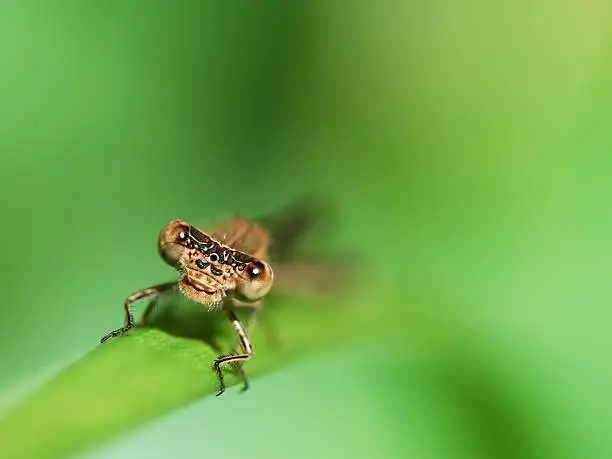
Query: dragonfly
[[223, 268], [229, 267]]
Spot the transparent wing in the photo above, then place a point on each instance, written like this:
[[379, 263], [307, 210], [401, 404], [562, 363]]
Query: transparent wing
[[305, 217]]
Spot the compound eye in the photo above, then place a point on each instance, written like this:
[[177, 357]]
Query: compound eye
[[255, 270], [171, 241], [259, 274]]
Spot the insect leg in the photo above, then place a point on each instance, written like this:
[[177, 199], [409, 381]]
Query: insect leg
[[243, 375], [238, 358], [145, 318], [270, 332], [130, 300], [255, 310]]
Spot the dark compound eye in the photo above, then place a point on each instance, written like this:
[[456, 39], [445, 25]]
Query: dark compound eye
[[213, 257], [255, 270], [182, 235]]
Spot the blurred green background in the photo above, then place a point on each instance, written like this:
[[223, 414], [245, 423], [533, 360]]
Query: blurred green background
[[468, 144]]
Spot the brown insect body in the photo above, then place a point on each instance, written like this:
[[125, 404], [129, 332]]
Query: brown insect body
[[213, 271]]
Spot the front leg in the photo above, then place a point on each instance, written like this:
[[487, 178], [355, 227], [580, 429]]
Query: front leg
[[270, 333], [255, 310], [254, 313], [130, 300], [237, 358]]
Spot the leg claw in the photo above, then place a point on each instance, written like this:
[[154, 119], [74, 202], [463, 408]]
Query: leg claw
[[115, 333]]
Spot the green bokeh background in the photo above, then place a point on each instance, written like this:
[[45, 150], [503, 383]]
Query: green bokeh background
[[468, 144]]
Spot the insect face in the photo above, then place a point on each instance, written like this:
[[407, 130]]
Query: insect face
[[208, 269]]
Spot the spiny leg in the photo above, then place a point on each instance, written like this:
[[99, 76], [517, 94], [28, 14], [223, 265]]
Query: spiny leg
[[239, 358], [145, 318], [256, 317], [243, 375], [255, 310], [130, 300]]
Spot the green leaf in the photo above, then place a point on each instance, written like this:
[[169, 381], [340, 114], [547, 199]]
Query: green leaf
[[148, 372]]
